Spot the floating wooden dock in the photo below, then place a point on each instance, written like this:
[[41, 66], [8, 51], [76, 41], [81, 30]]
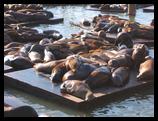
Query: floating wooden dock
[[106, 11], [29, 81], [8, 69], [49, 21], [149, 9], [148, 42]]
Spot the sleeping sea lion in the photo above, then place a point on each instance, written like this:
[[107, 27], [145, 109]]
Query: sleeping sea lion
[[48, 55], [57, 72], [81, 69], [120, 76], [99, 77], [36, 53], [18, 62], [69, 76], [120, 60], [146, 69], [47, 67], [77, 88]]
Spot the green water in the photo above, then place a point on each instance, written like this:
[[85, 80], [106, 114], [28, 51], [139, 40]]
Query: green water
[[139, 104]]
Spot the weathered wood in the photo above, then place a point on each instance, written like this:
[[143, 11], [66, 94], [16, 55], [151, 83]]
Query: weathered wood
[[7, 69], [27, 80], [49, 21], [149, 9]]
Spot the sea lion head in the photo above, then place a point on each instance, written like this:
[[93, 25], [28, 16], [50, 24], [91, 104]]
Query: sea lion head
[[124, 38]]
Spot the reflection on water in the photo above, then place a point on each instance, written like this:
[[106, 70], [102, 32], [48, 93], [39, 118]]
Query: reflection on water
[[138, 104]]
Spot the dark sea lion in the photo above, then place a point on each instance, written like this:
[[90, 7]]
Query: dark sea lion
[[57, 72], [77, 88], [48, 55], [99, 77], [45, 41], [113, 28], [36, 53], [128, 51], [53, 34], [86, 23], [26, 48], [120, 60], [139, 53], [120, 76], [124, 38], [18, 62], [47, 67], [146, 70], [22, 111]]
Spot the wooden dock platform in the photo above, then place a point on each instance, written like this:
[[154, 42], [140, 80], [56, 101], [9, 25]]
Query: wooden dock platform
[[29, 81], [149, 9], [50, 21], [8, 69]]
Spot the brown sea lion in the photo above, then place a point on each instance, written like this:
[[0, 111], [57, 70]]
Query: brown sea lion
[[139, 53], [77, 88], [13, 44], [99, 77], [146, 70], [69, 76], [57, 72], [80, 68], [47, 67], [120, 60], [120, 76]]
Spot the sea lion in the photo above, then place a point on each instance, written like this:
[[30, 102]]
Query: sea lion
[[13, 44], [25, 49], [48, 55], [57, 72], [47, 67], [139, 53], [120, 60], [120, 76], [146, 70], [69, 76], [124, 38], [77, 88], [99, 77], [18, 62], [22, 111], [128, 51], [86, 23], [81, 69], [36, 53], [45, 41]]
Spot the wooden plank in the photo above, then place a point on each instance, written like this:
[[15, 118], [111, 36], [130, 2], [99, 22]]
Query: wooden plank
[[49, 21], [27, 80], [149, 9], [105, 11], [8, 69]]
